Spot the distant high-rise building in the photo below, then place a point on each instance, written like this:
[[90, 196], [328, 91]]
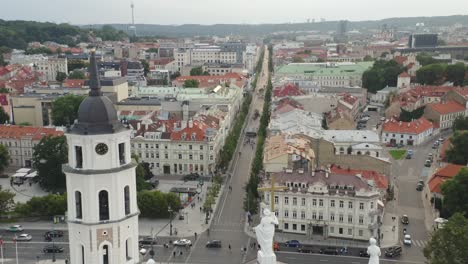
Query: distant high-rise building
[[341, 31], [422, 40]]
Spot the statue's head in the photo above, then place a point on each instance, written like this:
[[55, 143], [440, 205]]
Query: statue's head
[[266, 212], [372, 241]]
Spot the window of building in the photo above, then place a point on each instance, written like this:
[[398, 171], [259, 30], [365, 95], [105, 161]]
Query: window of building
[[122, 153], [139, 145], [350, 205], [157, 146], [372, 205], [294, 215], [332, 203], [211, 157], [320, 202], [211, 147], [286, 226], [166, 156], [303, 201], [340, 230], [78, 207], [361, 219], [127, 249], [332, 229], [147, 155], [190, 147], [294, 226], [180, 156], [361, 206], [294, 201], [350, 218], [350, 232], [314, 215], [103, 205], [127, 199], [320, 216], [201, 157], [361, 232], [303, 214], [286, 213], [82, 255], [190, 157], [340, 219], [79, 156], [286, 200], [332, 217], [314, 202], [276, 199], [146, 145], [201, 147], [302, 227], [341, 204]]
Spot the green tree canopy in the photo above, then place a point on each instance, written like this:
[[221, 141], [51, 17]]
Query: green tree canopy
[[152, 50], [65, 109], [191, 83], [48, 157], [448, 245], [75, 64], [455, 194], [7, 201], [77, 75], [49, 205], [425, 59], [407, 116], [460, 123], [432, 74], [146, 67], [61, 76], [458, 152], [154, 204], [40, 50], [382, 74], [140, 174], [456, 73], [4, 117], [196, 71], [368, 58], [297, 60], [4, 157]]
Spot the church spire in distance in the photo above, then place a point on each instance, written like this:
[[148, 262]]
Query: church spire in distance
[[94, 81]]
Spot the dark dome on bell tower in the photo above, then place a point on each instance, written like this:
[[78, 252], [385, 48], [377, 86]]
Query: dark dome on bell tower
[[96, 114]]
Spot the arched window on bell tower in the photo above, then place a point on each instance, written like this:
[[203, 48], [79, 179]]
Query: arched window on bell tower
[[127, 199], [78, 205], [103, 206]]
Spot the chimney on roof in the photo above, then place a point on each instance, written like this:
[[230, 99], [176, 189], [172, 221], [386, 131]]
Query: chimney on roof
[[138, 125]]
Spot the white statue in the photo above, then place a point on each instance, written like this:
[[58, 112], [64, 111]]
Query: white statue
[[374, 251], [265, 232]]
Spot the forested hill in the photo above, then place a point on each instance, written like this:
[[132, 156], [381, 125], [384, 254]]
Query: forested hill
[[264, 29], [17, 34]]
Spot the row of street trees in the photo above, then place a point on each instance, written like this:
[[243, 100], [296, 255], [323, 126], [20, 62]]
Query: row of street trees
[[438, 73]]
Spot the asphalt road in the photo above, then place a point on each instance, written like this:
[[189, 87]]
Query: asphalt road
[[293, 258], [31, 251]]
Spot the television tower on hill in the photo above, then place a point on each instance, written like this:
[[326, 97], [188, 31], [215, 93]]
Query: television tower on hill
[[132, 27]]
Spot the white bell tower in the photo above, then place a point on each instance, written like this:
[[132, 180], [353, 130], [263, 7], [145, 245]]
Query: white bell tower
[[101, 184]]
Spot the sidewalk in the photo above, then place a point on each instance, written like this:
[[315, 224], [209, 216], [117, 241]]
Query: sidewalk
[[23, 192]]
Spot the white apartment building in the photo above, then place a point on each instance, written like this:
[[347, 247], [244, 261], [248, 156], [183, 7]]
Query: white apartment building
[[182, 58], [49, 66], [326, 205], [354, 142], [179, 147], [250, 57], [408, 133], [20, 141]]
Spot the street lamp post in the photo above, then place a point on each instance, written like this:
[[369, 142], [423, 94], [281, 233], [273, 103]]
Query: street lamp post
[[169, 209]]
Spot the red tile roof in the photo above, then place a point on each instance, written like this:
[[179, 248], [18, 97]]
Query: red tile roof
[[447, 107], [287, 90], [73, 83], [36, 133], [380, 180], [414, 127], [443, 174]]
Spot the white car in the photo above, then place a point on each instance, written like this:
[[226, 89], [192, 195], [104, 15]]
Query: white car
[[382, 118], [366, 118], [23, 237], [143, 251], [182, 242], [407, 240]]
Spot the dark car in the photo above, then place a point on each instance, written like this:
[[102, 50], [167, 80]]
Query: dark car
[[405, 220], [363, 254], [304, 250], [54, 233], [400, 145], [419, 187], [192, 177], [52, 249], [292, 243], [154, 182], [214, 244], [148, 240], [409, 156], [393, 251], [329, 251]]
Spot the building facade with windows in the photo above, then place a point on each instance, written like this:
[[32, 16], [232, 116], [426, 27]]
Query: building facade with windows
[[407, 133], [20, 141], [327, 205]]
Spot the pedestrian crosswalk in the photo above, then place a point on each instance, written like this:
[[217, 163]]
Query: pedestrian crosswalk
[[417, 243]]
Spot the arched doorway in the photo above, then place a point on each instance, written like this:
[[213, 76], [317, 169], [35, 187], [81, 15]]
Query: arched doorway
[[350, 150], [105, 254]]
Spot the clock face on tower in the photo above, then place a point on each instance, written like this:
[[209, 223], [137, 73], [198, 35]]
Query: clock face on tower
[[101, 148]]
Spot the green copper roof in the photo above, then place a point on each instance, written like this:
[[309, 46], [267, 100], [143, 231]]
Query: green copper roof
[[314, 69]]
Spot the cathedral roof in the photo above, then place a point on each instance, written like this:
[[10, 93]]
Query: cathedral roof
[[96, 114]]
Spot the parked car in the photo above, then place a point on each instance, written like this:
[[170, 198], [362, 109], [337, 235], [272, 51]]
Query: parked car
[[427, 163], [15, 228], [410, 151], [192, 177], [304, 250], [419, 187], [147, 240], [23, 237], [214, 244], [154, 182], [54, 233], [182, 242], [52, 249], [407, 240], [329, 251], [400, 145], [382, 118], [405, 220], [435, 145], [393, 251], [409, 156], [364, 254], [181, 217], [292, 243]]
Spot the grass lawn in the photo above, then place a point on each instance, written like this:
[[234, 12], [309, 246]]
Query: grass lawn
[[397, 153]]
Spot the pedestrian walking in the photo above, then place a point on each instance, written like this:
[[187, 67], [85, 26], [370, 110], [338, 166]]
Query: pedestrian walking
[[174, 253], [229, 247]]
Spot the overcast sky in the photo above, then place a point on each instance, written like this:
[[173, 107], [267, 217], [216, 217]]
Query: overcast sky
[[223, 11]]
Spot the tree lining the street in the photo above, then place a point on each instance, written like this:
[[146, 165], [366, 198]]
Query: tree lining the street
[[7, 201], [460, 123], [4, 158], [65, 109], [4, 117], [458, 151], [49, 205], [448, 245], [155, 204], [455, 194]]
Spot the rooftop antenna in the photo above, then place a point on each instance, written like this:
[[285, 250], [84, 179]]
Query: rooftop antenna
[[132, 27]]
